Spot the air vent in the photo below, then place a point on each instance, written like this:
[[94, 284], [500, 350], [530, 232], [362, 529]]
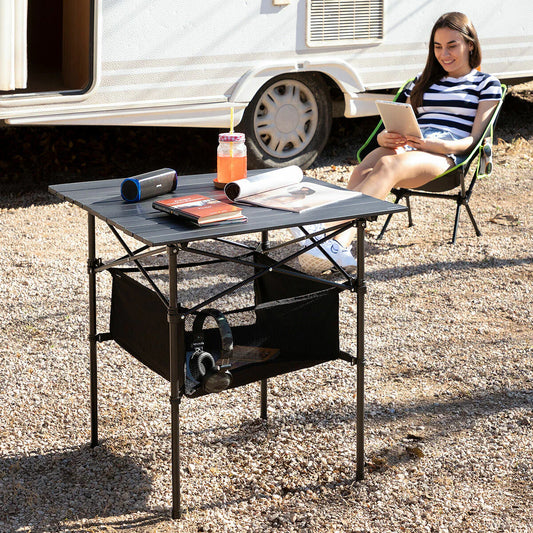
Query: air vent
[[341, 22]]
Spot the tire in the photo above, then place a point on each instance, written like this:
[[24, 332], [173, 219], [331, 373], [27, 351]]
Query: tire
[[288, 121]]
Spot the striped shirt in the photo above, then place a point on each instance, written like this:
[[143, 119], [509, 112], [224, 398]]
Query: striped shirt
[[451, 103]]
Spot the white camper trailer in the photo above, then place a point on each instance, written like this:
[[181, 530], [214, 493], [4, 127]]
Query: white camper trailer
[[286, 67]]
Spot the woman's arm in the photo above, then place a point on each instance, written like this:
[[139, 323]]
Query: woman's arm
[[483, 116], [438, 146]]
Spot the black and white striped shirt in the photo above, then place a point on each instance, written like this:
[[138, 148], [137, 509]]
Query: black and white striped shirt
[[451, 103]]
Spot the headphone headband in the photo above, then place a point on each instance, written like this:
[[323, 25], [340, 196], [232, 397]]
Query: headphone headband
[[226, 336]]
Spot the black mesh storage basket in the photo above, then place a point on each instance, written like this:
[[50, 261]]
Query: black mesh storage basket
[[299, 317]]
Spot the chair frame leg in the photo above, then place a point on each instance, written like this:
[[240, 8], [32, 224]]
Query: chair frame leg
[[399, 195], [410, 223], [473, 220], [456, 223], [462, 198]]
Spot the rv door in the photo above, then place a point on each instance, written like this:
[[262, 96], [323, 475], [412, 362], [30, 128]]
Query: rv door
[[45, 47]]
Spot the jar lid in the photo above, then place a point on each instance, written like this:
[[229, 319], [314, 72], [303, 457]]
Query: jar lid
[[231, 137]]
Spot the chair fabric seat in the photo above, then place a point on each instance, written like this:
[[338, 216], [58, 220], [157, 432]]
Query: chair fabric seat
[[447, 182]]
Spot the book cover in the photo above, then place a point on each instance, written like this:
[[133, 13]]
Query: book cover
[[253, 354], [200, 209], [247, 355]]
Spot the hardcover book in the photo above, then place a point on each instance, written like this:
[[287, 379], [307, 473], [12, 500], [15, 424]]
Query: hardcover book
[[201, 210]]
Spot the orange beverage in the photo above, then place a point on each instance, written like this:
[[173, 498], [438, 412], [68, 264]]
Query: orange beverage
[[231, 158], [231, 168]]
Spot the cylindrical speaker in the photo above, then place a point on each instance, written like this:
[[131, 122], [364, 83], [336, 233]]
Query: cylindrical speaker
[[148, 185]]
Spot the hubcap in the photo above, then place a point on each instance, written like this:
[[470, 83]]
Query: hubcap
[[286, 119]]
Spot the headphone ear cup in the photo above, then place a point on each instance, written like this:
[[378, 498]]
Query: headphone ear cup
[[200, 364], [217, 380]]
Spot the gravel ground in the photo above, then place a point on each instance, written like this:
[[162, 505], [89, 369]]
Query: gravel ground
[[449, 375]]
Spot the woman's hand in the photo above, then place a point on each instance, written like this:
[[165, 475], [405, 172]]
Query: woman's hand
[[433, 145], [391, 140]]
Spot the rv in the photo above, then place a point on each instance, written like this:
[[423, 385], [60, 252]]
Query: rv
[[279, 69]]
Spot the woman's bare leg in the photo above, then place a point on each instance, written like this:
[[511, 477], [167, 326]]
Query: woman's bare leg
[[358, 176], [383, 171], [408, 169], [361, 171]]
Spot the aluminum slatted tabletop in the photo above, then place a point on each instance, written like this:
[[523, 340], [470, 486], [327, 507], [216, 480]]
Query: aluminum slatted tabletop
[[102, 199]]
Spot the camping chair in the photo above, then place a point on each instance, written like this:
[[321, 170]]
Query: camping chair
[[449, 180]]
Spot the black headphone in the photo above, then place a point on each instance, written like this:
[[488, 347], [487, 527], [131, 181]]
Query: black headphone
[[214, 376]]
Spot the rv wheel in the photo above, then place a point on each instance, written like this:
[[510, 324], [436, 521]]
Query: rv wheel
[[287, 122]]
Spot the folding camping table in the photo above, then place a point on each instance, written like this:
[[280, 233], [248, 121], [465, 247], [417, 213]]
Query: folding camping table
[[278, 289]]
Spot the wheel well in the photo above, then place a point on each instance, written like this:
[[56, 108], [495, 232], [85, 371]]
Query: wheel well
[[248, 87], [336, 96]]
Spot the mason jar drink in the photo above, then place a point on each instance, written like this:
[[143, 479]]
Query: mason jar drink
[[231, 158]]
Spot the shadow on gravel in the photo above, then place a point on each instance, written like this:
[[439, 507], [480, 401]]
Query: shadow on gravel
[[41, 492], [444, 266], [514, 120], [454, 414], [451, 416], [34, 157]]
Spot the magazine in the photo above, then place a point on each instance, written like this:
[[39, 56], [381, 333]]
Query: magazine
[[201, 210], [284, 189]]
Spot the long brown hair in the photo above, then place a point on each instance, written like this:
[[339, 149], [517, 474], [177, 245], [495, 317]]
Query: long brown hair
[[433, 70]]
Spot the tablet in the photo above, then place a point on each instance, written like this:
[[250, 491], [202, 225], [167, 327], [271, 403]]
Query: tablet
[[398, 117]]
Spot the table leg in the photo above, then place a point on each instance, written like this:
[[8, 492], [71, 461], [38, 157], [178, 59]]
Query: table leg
[[264, 240], [264, 382], [173, 321], [264, 393], [91, 265], [361, 290]]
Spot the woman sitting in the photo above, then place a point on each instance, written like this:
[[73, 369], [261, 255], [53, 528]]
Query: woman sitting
[[453, 102]]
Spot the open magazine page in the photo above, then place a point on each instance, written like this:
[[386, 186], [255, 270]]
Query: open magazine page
[[299, 197], [284, 189], [265, 181]]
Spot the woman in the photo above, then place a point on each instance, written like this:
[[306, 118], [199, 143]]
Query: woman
[[453, 102]]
